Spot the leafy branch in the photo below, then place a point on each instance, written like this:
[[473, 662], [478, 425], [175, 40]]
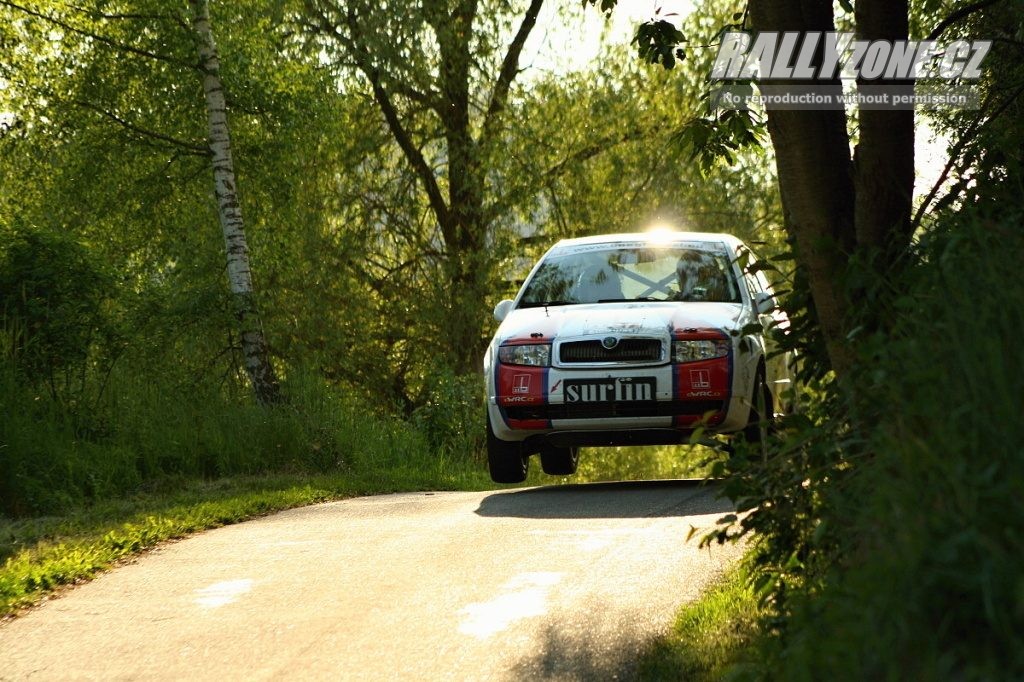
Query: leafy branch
[[124, 47], [190, 147]]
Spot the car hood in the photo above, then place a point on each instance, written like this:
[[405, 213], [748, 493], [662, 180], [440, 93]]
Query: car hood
[[639, 318]]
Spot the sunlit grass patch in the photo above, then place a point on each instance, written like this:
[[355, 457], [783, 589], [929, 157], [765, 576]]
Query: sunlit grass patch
[[713, 637], [646, 462]]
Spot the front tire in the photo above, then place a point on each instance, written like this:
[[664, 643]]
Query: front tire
[[559, 461], [505, 459], [762, 411]]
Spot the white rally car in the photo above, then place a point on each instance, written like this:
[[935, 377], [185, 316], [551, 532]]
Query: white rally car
[[630, 339]]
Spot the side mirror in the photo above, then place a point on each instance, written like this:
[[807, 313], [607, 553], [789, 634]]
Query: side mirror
[[502, 310], [764, 302]]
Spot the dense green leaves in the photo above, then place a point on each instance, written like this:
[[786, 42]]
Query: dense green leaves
[[52, 303], [658, 42], [720, 137]]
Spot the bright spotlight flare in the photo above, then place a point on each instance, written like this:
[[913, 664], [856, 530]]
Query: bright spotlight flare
[[661, 233]]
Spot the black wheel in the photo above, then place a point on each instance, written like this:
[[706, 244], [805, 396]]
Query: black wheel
[[505, 459], [559, 461], [762, 411]]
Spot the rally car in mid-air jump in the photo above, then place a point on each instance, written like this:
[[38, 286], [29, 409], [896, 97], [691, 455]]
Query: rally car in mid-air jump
[[631, 339]]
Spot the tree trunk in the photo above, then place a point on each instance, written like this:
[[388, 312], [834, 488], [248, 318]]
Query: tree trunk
[[812, 151], [884, 161], [467, 261], [459, 196], [254, 345]]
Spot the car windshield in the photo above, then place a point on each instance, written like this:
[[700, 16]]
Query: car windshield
[[612, 273]]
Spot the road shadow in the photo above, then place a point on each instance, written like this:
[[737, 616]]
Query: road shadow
[[594, 647], [635, 499], [584, 657]]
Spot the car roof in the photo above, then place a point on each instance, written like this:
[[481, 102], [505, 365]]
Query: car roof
[[657, 236]]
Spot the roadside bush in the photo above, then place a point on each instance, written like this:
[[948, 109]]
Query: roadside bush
[[43, 465], [164, 434], [451, 414], [887, 528], [89, 412], [52, 306], [930, 586]]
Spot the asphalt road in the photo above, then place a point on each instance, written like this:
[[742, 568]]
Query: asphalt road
[[545, 583]]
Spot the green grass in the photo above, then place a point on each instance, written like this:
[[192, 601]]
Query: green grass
[[632, 463], [713, 638], [644, 463]]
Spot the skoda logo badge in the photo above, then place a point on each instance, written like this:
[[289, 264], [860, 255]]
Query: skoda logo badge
[[609, 342]]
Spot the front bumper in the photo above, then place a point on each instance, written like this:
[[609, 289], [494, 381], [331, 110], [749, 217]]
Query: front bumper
[[527, 403]]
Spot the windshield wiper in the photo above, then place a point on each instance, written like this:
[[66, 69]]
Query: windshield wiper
[[630, 300], [546, 304]]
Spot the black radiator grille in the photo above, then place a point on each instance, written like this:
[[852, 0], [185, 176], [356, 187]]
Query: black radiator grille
[[627, 350]]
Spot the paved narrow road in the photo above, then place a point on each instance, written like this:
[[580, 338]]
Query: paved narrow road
[[545, 583]]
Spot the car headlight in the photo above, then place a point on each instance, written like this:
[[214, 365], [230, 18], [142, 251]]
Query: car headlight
[[690, 351], [536, 355]]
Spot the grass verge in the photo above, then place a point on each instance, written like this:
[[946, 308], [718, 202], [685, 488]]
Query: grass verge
[[713, 638]]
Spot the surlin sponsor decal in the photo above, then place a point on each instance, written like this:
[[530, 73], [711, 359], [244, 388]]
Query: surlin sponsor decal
[[618, 390]]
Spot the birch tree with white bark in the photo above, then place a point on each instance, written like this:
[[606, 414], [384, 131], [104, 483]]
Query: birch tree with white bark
[[253, 340], [157, 37]]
